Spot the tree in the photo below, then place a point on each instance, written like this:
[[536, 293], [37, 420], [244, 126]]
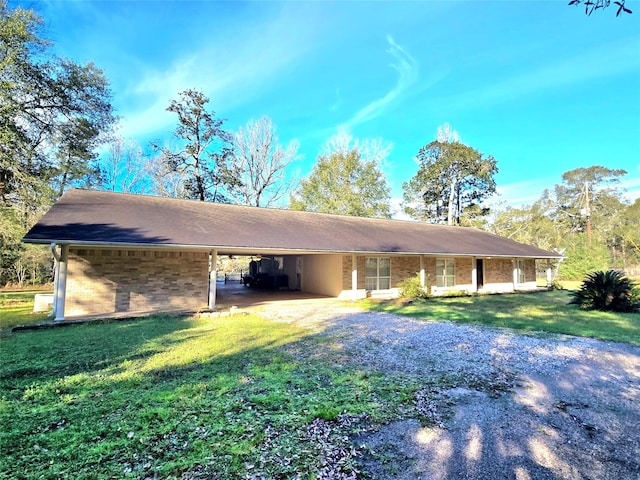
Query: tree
[[631, 234], [124, 167], [204, 154], [527, 224], [343, 142], [259, 164], [76, 154], [344, 184], [165, 182], [582, 257], [584, 195], [591, 6], [452, 178], [52, 114]]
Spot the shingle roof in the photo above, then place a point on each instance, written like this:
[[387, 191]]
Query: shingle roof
[[85, 217]]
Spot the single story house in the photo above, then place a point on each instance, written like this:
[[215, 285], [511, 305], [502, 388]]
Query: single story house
[[118, 253]]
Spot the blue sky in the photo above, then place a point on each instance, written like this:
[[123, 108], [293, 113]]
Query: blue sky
[[537, 84]]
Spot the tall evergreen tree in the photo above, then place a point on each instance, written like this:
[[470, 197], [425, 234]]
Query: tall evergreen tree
[[204, 153], [452, 178]]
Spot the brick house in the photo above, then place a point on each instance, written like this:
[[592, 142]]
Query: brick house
[[117, 253]]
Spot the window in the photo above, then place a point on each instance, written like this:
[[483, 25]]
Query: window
[[445, 272], [520, 267], [377, 273]]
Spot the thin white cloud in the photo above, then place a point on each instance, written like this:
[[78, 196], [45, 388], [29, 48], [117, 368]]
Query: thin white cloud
[[591, 65], [631, 188], [338, 103], [407, 69], [229, 70], [523, 193]]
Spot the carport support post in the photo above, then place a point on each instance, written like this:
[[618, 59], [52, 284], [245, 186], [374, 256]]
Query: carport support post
[[213, 277], [422, 271], [515, 273], [61, 283], [549, 273], [354, 276]]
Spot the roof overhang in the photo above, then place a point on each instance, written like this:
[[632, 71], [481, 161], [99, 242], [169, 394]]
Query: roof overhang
[[266, 251], [115, 220]]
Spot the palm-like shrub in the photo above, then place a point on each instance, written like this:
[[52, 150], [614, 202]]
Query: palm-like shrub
[[608, 290]]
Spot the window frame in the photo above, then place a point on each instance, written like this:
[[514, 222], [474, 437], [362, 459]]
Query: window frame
[[377, 277], [520, 272], [442, 276]]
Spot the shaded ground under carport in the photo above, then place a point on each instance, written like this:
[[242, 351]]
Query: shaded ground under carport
[[235, 294]]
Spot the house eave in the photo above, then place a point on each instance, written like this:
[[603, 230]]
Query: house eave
[[255, 250]]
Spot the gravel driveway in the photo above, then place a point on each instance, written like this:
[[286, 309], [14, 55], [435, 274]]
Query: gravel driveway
[[510, 406]]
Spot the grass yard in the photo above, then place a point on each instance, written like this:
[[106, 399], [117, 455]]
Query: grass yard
[[171, 396], [16, 308], [532, 312], [232, 397]]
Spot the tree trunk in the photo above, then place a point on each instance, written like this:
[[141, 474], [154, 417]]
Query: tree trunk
[[452, 196]]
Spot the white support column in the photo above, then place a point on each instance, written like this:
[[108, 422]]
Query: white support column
[[422, 275], [474, 274], [55, 279], [354, 277], [515, 273], [549, 273], [61, 283], [213, 276]]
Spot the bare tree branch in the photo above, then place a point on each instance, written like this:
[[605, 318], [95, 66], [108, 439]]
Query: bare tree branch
[[260, 164]]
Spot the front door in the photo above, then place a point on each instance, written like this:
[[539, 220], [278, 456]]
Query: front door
[[480, 273]]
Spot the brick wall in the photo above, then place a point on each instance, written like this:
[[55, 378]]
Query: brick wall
[[529, 270], [498, 270], [103, 281], [464, 268], [402, 268]]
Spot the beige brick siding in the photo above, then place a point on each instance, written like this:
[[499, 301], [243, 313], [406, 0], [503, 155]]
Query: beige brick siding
[[498, 270], [464, 266], [529, 270], [102, 281], [402, 268]]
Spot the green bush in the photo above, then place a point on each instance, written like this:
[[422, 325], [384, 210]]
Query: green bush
[[555, 285], [411, 288], [609, 290], [583, 257]]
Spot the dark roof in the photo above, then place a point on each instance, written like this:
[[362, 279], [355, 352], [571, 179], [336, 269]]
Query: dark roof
[[85, 217]]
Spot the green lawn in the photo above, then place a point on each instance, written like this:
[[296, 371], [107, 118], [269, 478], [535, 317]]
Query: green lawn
[[165, 396], [232, 397], [16, 308], [544, 312]]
